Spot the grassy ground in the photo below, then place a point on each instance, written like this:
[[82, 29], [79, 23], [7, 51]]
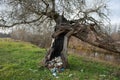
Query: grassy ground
[[20, 61]]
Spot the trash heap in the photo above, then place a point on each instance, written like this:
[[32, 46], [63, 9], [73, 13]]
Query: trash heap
[[55, 66]]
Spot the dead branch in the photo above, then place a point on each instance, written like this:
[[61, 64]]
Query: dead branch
[[18, 23]]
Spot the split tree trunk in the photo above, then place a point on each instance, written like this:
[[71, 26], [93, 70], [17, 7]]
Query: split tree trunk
[[58, 48], [60, 42]]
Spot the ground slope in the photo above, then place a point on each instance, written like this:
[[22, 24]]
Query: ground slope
[[21, 61]]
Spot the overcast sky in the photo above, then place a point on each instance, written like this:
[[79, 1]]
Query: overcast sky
[[113, 5]]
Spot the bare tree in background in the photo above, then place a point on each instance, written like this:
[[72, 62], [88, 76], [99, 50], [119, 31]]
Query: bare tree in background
[[38, 35], [79, 18]]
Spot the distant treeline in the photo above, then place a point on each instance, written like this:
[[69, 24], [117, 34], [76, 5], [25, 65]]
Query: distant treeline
[[4, 35]]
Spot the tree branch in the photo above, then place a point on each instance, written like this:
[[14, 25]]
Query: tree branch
[[53, 5], [18, 23], [47, 5], [101, 43]]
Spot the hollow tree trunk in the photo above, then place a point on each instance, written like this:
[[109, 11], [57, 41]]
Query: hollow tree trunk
[[59, 43], [58, 49]]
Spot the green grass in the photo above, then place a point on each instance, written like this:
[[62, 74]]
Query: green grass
[[21, 61]]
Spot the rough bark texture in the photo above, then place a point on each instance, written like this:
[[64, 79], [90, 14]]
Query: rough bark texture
[[58, 48]]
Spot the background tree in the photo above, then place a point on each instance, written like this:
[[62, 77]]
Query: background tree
[[79, 18], [40, 36]]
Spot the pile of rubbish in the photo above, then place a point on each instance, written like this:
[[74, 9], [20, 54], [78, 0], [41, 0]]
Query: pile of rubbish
[[55, 66]]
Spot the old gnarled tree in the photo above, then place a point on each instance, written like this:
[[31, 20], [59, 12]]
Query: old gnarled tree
[[79, 18]]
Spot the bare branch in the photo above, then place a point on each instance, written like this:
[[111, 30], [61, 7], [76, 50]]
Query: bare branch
[[47, 5], [18, 23]]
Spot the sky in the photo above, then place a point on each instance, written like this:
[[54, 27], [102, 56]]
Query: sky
[[113, 5]]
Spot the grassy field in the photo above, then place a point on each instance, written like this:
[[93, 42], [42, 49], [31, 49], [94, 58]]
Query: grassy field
[[21, 61]]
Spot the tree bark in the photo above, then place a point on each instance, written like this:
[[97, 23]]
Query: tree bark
[[58, 49]]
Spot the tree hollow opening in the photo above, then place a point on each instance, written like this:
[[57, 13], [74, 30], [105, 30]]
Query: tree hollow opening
[[56, 57]]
